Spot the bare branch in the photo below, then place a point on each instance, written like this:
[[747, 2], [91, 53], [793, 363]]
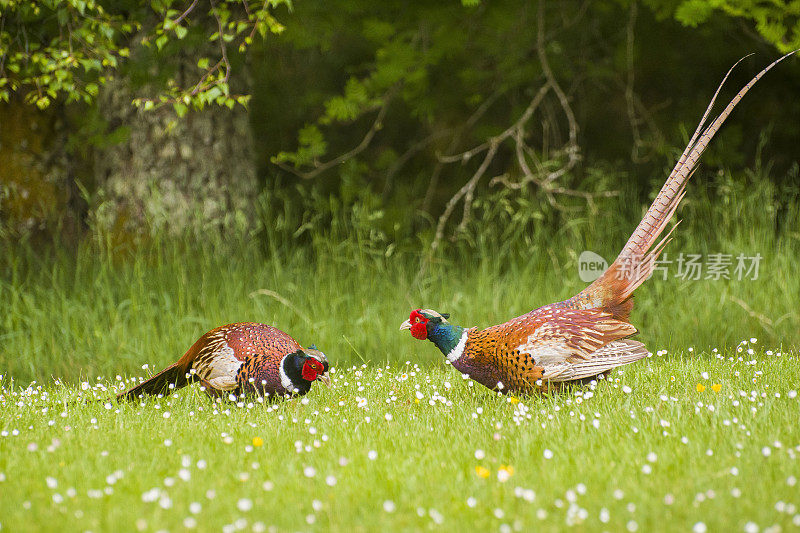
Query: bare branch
[[572, 147], [464, 157], [185, 13], [470, 187], [545, 184], [322, 167], [467, 191], [407, 155], [470, 122], [576, 17], [451, 204], [539, 176]]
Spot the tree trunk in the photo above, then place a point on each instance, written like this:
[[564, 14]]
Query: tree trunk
[[172, 175]]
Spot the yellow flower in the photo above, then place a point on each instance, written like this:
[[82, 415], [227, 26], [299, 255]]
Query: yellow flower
[[716, 387], [700, 387], [513, 399], [416, 400], [482, 472], [258, 441]]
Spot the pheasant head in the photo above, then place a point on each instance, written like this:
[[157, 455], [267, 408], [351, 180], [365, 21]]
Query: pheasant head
[[432, 325], [305, 366]]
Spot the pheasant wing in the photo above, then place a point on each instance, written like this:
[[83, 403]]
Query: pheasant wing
[[613, 354], [568, 344]]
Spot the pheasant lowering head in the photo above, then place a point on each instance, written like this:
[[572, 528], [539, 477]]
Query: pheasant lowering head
[[296, 371], [306, 366], [241, 358]]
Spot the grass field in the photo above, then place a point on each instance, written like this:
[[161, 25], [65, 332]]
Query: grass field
[[677, 442], [690, 439]]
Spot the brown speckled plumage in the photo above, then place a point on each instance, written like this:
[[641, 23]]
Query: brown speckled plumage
[[537, 349], [231, 359]]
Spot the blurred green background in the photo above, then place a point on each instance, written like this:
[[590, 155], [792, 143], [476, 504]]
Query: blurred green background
[[319, 178]]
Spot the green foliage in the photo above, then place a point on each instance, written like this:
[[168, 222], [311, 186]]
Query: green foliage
[[68, 48], [368, 98], [397, 87], [347, 107], [312, 146], [59, 48], [778, 22], [233, 26]]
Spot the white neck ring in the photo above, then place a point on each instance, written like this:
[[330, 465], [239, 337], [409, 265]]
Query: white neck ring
[[286, 381], [456, 353]]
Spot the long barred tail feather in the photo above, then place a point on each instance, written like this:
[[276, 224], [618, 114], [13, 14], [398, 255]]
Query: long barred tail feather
[[174, 375], [635, 263]]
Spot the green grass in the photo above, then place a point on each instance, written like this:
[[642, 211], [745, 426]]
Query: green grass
[[101, 312], [645, 449]]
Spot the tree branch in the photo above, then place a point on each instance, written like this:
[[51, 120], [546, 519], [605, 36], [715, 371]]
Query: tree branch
[[186, 13], [471, 121], [491, 145], [545, 180], [465, 190], [322, 167], [407, 155], [572, 147]]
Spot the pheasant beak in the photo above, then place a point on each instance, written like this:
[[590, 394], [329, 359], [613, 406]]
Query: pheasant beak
[[405, 325], [325, 379]]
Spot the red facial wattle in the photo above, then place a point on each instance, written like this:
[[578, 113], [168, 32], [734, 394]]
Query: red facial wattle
[[419, 331], [311, 369], [419, 328]]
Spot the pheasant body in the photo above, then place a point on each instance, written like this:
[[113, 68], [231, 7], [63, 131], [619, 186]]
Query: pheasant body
[[538, 349], [241, 358], [587, 334]]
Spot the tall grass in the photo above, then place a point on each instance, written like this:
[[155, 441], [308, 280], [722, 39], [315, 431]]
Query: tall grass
[[344, 281]]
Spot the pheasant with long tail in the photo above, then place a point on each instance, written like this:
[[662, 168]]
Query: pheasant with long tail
[[241, 358], [588, 334]]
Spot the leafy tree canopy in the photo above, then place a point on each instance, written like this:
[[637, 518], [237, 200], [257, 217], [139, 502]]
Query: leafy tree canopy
[[66, 48], [777, 21], [53, 49], [420, 104]]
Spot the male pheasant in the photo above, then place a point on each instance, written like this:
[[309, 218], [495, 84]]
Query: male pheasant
[[241, 358], [587, 334]]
